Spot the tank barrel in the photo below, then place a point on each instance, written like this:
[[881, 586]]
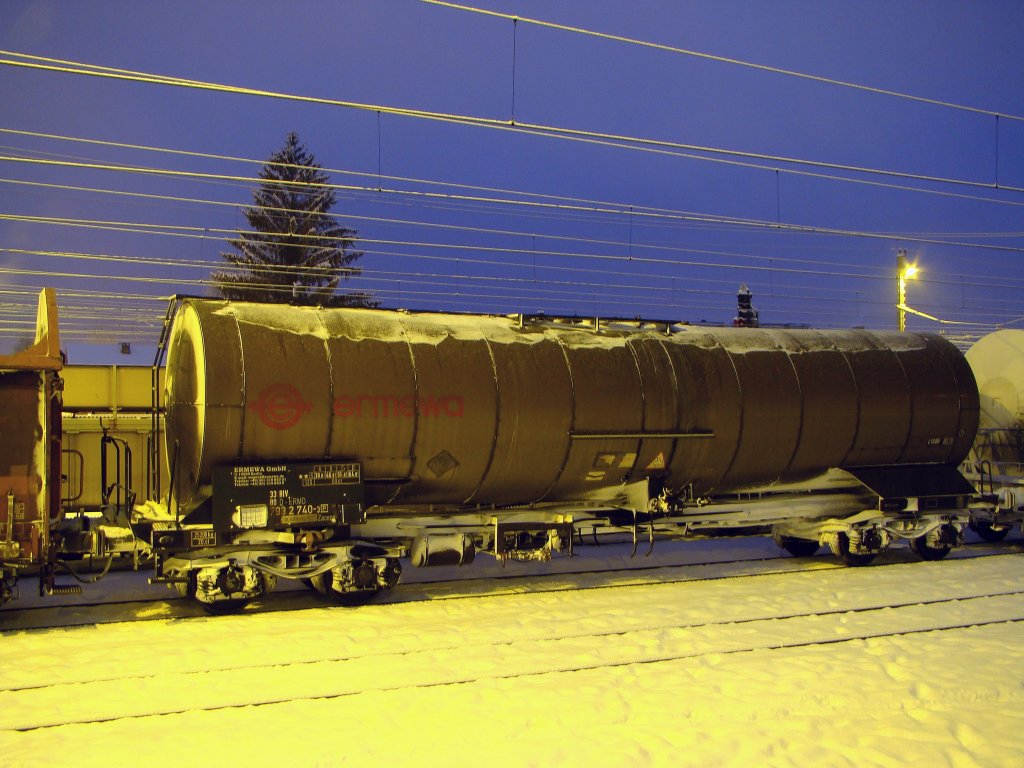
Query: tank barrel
[[450, 409]]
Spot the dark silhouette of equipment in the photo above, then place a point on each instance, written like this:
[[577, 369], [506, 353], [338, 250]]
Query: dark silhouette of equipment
[[746, 315]]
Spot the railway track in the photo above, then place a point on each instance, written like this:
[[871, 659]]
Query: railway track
[[164, 604], [382, 651], [92, 679]]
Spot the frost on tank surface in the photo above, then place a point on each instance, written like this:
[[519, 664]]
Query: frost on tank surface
[[448, 401]]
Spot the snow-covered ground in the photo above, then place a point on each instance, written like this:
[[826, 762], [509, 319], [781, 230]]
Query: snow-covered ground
[[787, 663]]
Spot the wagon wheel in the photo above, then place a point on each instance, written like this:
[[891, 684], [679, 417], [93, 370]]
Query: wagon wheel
[[797, 547], [927, 552], [322, 583], [217, 607], [852, 558], [986, 531]]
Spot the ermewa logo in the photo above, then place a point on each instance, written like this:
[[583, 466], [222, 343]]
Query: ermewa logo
[[280, 406], [382, 406]]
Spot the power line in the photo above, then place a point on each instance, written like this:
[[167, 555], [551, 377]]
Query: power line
[[538, 129], [722, 59], [500, 190], [590, 301], [347, 216], [507, 232], [522, 193], [703, 264], [425, 224], [546, 287], [649, 214], [203, 233], [661, 283]]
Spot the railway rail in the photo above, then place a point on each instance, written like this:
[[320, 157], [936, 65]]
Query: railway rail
[[514, 637], [760, 560]]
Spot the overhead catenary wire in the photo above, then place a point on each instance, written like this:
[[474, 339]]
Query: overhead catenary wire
[[680, 216], [529, 234], [516, 19], [548, 287], [486, 230], [588, 300], [704, 264], [348, 216], [503, 190], [205, 233], [731, 220], [463, 297], [194, 175], [31, 61], [664, 283], [661, 284], [894, 235], [285, 290]]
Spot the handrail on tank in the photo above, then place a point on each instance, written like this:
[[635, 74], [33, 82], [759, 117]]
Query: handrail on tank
[[123, 473]]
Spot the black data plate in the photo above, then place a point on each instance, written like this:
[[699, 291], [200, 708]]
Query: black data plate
[[173, 540], [293, 494]]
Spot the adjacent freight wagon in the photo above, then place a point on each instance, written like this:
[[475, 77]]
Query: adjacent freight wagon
[[996, 462], [30, 451]]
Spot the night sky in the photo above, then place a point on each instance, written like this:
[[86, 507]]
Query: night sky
[[634, 180]]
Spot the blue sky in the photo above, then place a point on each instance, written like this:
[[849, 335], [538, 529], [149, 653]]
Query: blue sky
[[664, 242]]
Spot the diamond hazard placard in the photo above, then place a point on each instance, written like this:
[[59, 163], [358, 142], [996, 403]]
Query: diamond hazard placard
[[658, 462]]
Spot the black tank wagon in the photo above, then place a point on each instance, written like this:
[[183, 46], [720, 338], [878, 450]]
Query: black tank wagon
[[329, 445], [326, 444]]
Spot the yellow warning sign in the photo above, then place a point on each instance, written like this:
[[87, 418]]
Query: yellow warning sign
[[658, 462], [622, 460]]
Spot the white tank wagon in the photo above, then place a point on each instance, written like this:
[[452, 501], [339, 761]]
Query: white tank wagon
[[443, 435], [996, 462]]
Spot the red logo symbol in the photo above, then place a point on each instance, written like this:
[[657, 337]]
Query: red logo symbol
[[280, 406], [452, 406]]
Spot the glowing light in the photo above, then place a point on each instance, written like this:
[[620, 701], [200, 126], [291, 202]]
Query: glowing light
[[904, 272]]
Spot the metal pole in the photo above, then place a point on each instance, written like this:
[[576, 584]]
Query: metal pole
[[901, 291]]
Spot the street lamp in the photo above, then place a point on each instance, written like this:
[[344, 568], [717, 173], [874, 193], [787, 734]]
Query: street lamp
[[904, 272]]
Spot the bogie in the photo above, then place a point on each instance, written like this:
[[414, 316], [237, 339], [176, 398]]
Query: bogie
[[225, 589], [357, 581]]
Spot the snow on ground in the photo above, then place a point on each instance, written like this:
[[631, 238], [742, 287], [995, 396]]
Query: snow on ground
[[817, 665]]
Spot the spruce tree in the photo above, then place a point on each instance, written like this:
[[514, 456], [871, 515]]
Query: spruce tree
[[297, 253]]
